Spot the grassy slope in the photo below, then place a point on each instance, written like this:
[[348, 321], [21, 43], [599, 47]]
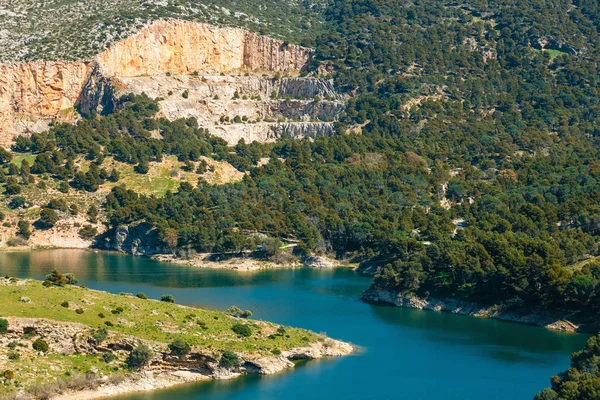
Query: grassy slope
[[151, 320], [146, 319]]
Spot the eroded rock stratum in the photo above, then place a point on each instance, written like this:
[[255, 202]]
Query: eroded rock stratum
[[228, 79]]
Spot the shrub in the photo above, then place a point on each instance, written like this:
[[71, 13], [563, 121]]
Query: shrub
[[235, 311], [48, 218], [139, 357], [41, 345], [99, 335], [168, 298], [142, 167], [108, 357], [24, 230], [117, 310], [14, 356], [9, 374], [242, 329], [229, 359], [3, 326], [65, 304], [71, 280], [276, 352], [101, 315], [108, 323], [56, 278], [142, 296], [88, 232], [202, 325], [57, 204], [281, 331], [16, 202], [180, 348]]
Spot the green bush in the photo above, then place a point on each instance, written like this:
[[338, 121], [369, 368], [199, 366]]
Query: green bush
[[168, 298], [24, 229], [48, 218], [139, 357], [40, 345], [3, 326], [14, 356], [101, 315], [229, 359], [242, 329], [99, 335], [79, 311], [64, 304], [71, 280], [88, 232], [9, 374], [56, 278], [108, 357], [180, 348], [142, 296], [202, 325]]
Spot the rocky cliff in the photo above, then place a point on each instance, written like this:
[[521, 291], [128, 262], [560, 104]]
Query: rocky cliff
[[182, 47], [31, 95], [213, 65]]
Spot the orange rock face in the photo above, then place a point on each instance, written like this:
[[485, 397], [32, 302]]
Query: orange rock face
[[34, 94], [181, 47]]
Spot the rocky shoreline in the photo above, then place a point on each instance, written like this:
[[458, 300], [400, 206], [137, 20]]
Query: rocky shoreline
[[165, 370], [163, 378], [410, 300], [245, 264]]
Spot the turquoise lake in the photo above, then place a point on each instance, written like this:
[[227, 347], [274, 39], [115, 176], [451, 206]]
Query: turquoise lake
[[405, 354]]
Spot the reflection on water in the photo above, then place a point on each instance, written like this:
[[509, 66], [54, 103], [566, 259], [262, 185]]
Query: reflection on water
[[101, 266], [408, 354]]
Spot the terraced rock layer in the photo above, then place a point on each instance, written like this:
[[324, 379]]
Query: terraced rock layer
[[210, 63]]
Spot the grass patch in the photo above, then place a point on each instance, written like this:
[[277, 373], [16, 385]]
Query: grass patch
[[147, 319]]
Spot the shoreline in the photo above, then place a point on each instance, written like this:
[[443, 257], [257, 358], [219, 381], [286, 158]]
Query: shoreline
[[163, 371], [459, 307], [239, 264], [162, 379]]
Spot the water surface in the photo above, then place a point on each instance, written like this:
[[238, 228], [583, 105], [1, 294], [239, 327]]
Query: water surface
[[406, 354]]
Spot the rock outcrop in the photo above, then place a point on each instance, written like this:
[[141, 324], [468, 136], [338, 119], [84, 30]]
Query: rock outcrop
[[163, 370], [225, 72], [182, 47], [32, 95], [139, 239]]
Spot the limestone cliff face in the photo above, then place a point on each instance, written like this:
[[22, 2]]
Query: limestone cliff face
[[181, 47], [162, 61], [31, 95]]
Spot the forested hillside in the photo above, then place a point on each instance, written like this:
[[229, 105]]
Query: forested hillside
[[468, 155], [501, 101]]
